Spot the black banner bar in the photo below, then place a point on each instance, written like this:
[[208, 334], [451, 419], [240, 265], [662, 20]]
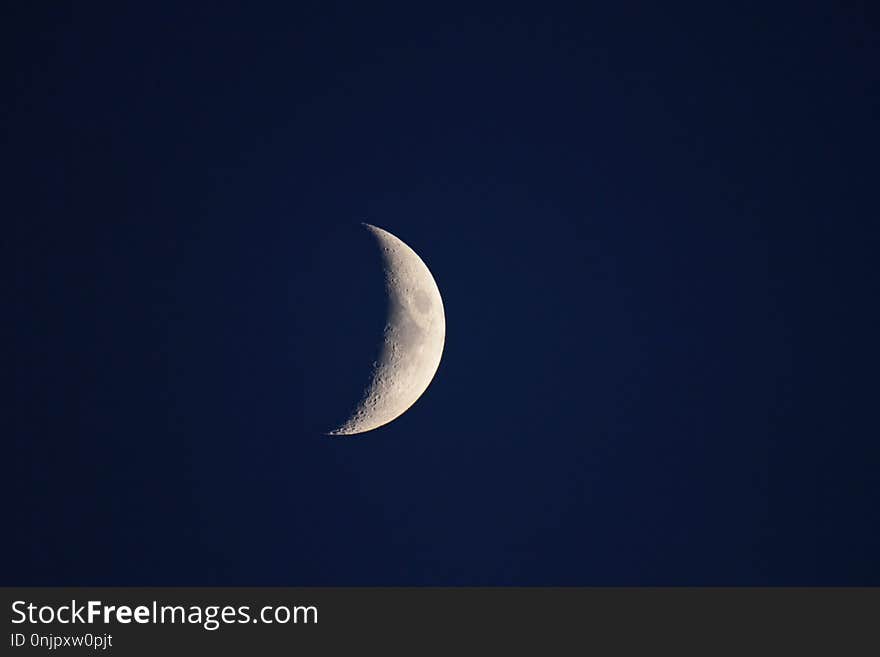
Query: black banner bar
[[172, 621]]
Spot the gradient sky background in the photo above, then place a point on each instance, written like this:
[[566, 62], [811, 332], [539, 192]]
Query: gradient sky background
[[653, 228]]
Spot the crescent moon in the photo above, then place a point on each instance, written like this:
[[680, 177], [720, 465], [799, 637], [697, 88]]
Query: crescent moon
[[413, 339]]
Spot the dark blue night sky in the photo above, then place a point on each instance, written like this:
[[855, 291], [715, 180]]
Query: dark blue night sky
[[651, 226]]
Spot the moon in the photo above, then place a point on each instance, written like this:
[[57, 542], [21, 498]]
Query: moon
[[413, 339]]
